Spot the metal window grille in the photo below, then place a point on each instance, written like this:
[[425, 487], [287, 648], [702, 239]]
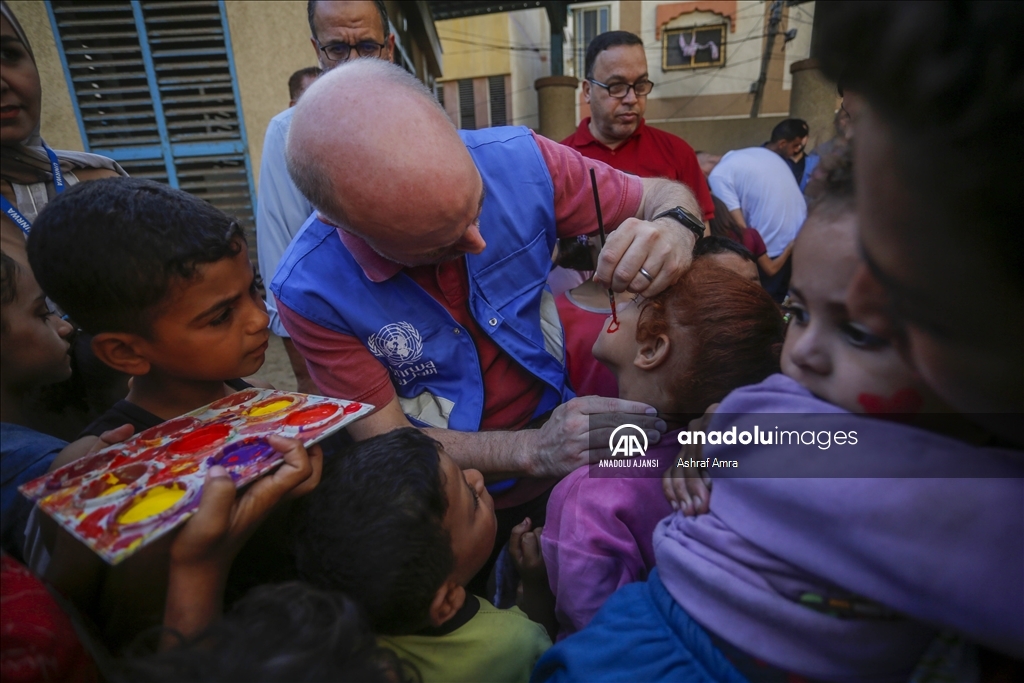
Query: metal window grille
[[496, 87], [467, 106], [153, 87]]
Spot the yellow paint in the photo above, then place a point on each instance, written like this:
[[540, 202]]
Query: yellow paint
[[269, 408], [152, 503], [113, 489]]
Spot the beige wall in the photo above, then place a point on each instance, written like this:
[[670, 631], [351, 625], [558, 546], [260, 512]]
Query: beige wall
[[270, 39], [467, 46], [719, 136], [58, 123]]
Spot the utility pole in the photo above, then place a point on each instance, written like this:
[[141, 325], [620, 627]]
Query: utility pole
[[773, 28]]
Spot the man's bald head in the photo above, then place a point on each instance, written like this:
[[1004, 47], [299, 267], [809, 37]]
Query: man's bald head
[[374, 152]]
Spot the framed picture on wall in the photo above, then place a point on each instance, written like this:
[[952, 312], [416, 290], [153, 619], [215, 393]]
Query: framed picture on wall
[[693, 47]]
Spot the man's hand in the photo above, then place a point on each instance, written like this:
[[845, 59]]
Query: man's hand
[[663, 248], [564, 442], [688, 489]]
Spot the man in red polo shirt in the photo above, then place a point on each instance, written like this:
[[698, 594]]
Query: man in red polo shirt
[[616, 87]]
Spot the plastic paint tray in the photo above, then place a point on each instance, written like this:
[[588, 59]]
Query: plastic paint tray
[[124, 497]]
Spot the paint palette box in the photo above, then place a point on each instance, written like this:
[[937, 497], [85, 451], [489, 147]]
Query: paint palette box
[[123, 497]]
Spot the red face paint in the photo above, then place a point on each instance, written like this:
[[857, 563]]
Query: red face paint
[[200, 438], [903, 401], [613, 326], [312, 415], [352, 408]]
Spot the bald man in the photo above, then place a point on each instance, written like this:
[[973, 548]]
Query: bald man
[[419, 284], [334, 28]]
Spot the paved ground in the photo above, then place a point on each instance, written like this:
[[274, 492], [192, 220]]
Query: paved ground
[[276, 368]]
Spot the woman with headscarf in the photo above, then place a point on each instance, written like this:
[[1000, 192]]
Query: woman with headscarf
[[30, 172]]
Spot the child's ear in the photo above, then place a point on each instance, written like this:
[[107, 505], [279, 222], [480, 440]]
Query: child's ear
[[121, 351], [447, 602], [652, 352]]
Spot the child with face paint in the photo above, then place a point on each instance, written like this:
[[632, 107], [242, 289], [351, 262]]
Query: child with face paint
[[712, 331], [801, 569]]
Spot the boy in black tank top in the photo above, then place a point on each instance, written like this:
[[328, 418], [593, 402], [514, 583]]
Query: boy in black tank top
[[163, 282]]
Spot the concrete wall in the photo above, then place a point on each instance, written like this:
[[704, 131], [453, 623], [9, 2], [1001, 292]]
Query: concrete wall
[[58, 124], [475, 46], [719, 136], [529, 30], [270, 39]]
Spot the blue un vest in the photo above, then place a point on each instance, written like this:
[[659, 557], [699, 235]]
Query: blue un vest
[[432, 359]]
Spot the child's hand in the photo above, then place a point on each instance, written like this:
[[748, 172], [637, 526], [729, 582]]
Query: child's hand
[[535, 599], [688, 489], [204, 549], [222, 524], [524, 546]]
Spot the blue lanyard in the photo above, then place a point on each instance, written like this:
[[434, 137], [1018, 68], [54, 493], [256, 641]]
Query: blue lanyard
[[58, 185]]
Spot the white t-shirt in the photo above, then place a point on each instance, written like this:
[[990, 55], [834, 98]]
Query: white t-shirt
[[758, 182]]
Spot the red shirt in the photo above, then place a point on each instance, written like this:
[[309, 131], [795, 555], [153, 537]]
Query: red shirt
[[582, 327], [648, 153], [343, 367]]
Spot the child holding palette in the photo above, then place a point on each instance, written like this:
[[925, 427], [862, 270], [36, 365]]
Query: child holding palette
[[399, 527], [163, 282]]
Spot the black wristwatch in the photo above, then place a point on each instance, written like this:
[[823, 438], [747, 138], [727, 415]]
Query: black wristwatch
[[689, 221]]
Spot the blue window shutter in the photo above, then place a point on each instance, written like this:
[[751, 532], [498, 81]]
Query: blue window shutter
[[154, 87]]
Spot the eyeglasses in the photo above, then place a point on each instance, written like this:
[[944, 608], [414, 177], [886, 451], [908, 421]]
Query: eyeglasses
[[340, 52], [620, 90]]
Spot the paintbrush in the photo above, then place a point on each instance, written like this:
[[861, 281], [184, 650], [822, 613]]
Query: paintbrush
[[600, 231]]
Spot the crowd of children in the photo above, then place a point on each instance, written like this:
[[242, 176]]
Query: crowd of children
[[361, 565]]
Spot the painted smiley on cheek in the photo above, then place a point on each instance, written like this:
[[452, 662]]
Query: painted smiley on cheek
[[903, 401]]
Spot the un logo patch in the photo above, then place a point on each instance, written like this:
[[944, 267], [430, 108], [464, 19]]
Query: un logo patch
[[398, 344]]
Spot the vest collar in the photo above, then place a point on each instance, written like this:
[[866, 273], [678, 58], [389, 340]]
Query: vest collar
[[375, 267]]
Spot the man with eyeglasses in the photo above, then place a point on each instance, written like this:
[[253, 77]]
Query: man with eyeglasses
[[616, 87], [339, 32]]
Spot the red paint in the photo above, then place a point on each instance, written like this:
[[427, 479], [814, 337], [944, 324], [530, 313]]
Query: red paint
[[903, 401], [311, 415], [169, 428], [352, 408], [201, 438], [125, 475], [91, 526], [78, 469], [234, 399], [613, 326]]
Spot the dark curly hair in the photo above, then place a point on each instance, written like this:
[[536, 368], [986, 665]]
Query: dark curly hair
[[108, 251], [284, 632], [373, 529]]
